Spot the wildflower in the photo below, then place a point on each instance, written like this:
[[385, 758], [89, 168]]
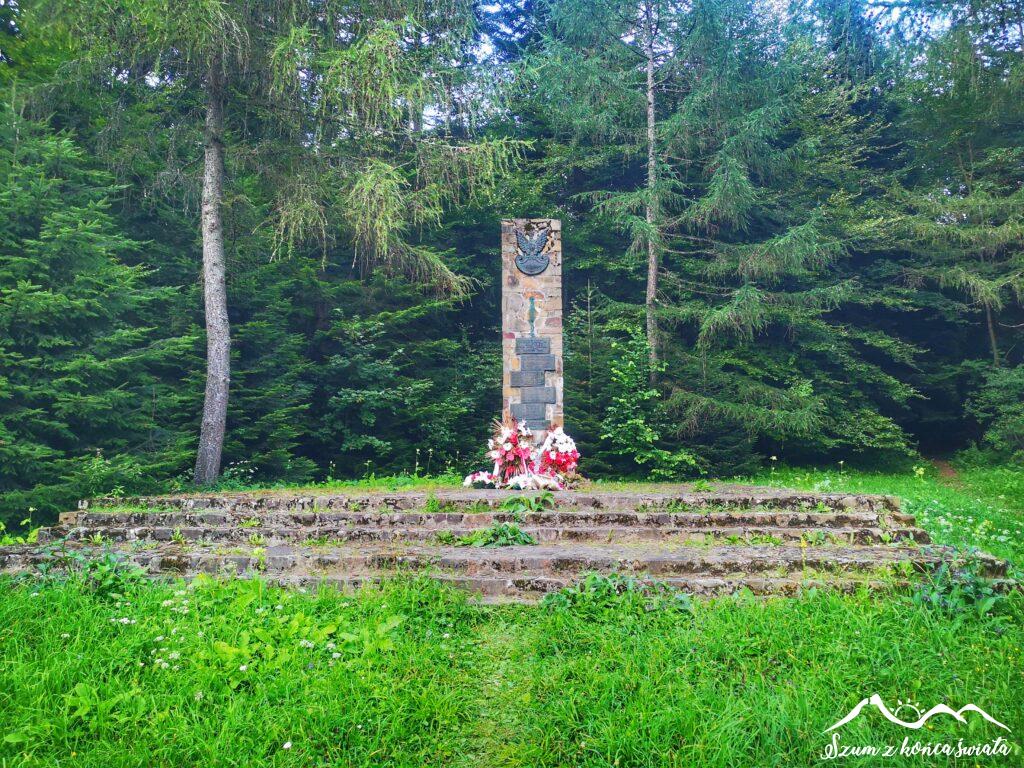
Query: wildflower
[[287, 745], [335, 655], [64, 635], [306, 643], [198, 696], [242, 667]]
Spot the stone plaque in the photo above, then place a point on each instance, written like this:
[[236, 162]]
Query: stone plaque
[[531, 321]]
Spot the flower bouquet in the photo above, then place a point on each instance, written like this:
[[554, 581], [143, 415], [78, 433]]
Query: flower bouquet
[[518, 463], [558, 455]]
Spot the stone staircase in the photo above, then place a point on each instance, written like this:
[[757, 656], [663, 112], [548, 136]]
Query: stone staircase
[[769, 541]]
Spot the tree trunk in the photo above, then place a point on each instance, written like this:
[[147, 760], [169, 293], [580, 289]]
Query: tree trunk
[[992, 336], [218, 332], [652, 203]]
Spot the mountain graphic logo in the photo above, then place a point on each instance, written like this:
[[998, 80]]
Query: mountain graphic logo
[[939, 709]]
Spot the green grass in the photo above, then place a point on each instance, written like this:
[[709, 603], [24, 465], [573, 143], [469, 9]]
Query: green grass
[[412, 674], [424, 677], [979, 508]]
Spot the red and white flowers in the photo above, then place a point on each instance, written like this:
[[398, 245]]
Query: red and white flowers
[[519, 463], [511, 449], [558, 455]]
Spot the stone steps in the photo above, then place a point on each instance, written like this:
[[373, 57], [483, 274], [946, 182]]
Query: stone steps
[[770, 541]]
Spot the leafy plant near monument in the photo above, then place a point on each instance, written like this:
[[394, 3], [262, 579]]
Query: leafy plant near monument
[[497, 535], [519, 505]]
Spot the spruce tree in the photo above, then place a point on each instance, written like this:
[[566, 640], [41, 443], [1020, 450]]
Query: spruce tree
[[81, 408]]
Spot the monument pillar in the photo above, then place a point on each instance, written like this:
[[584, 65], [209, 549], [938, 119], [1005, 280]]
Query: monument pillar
[[531, 321]]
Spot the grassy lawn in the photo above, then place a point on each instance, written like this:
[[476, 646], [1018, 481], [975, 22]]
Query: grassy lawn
[[106, 671]]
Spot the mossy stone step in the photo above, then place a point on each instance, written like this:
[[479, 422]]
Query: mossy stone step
[[680, 498], [762, 534]]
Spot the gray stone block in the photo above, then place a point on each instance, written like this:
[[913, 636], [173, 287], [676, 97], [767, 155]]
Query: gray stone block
[[536, 362], [537, 395], [527, 378], [529, 410], [533, 345], [536, 424]]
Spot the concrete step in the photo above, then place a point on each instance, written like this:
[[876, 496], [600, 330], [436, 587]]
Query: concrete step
[[328, 533], [661, 559], [659, 498], [555, 518]]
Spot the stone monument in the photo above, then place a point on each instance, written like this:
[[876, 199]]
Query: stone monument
[[531, 321]]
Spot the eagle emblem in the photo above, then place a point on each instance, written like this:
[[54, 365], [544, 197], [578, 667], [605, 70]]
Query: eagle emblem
[[531, 259]]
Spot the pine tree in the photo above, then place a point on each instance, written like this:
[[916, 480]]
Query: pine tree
[[80, 394]]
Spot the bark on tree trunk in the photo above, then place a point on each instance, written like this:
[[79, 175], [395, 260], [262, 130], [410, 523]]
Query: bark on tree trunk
[[652, 202], [218, 332], [992, 336]]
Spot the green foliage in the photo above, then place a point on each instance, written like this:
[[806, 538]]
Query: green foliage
[[998, 406], [603, 598], [527, 504], [838, 219], [80, 350], [496, 535], [634, 407], [958, 587]]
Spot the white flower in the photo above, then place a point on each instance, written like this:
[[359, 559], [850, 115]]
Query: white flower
[[199, 696], [242, 667], [286, 745], [306, 643], [506, 446], [64, 636], [335, 655]]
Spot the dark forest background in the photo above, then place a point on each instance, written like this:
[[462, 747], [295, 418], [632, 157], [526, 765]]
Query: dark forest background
[[838, 218]]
